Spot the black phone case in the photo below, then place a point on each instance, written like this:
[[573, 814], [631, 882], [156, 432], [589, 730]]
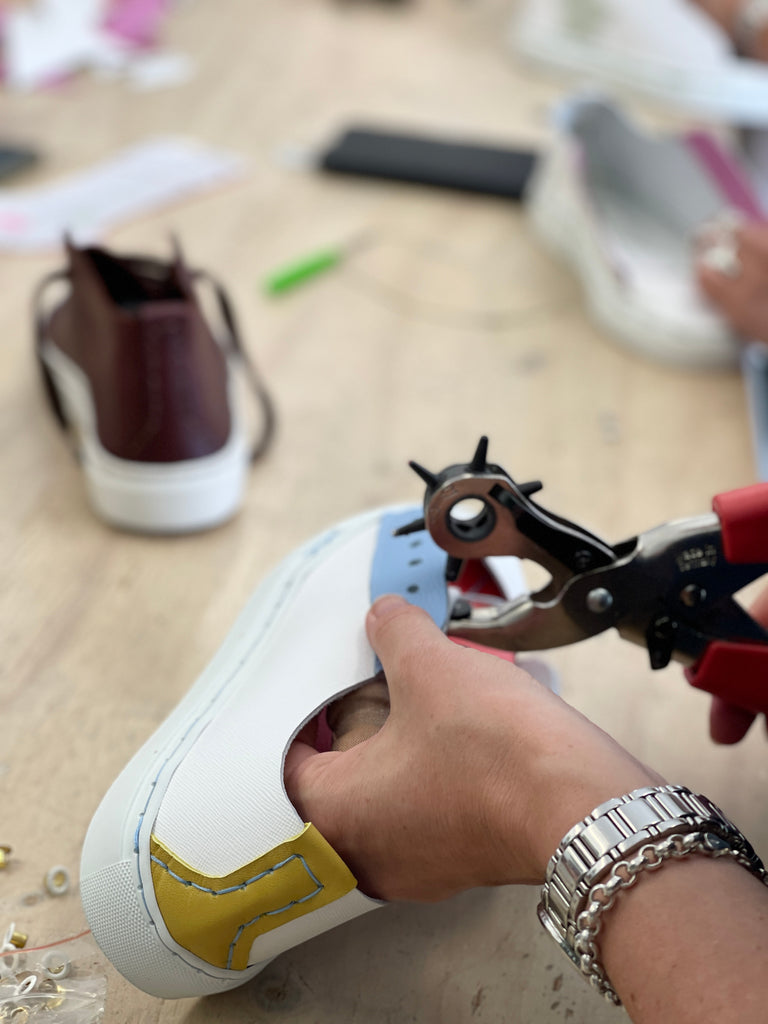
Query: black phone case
[[469, 167]]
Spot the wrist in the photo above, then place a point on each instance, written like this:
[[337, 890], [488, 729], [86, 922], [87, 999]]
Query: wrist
[[556, 788], [650, 932], [623, 839]]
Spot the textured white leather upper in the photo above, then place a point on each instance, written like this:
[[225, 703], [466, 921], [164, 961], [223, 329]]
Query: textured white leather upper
[[226, 804]]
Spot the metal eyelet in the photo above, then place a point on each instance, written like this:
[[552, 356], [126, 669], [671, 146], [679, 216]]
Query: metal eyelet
[[55, 965], [56, 880]]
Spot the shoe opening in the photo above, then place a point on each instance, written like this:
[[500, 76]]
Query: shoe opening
[[133, 282]]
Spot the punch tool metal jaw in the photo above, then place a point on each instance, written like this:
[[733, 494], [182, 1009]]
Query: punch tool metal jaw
[[669, 589]]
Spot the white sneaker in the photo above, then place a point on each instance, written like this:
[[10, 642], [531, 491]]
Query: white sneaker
[[197, 870], [669, 50], [624, 209]]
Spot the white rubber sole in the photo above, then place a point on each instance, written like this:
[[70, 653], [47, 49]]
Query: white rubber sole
[[148, 497], [689, 338]]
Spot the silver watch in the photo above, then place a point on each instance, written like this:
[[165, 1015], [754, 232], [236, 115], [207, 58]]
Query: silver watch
[[612, 833]]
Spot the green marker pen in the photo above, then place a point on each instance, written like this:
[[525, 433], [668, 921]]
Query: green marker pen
[[294, 274], [303, 270]]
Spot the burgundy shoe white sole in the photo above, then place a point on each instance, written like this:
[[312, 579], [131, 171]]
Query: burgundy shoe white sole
[[152, 497]]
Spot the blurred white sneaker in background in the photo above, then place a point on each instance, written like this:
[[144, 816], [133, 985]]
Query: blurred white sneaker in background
[[625, 208], [669, 50]]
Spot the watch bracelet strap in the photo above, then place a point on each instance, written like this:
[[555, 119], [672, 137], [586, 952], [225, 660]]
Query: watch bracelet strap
[[611, 834]]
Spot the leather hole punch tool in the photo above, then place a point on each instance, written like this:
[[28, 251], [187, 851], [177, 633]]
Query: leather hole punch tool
[[669, 589]]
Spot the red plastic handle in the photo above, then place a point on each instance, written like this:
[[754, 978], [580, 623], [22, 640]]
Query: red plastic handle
[[743, 518], [497, 652], [734, 671]]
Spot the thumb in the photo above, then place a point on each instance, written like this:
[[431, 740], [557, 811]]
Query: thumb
[[405, 638]]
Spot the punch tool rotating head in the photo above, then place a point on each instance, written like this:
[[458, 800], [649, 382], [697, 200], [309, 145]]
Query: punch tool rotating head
[[669, 589]]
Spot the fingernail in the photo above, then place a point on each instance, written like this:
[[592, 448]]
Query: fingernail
[[385, 604]]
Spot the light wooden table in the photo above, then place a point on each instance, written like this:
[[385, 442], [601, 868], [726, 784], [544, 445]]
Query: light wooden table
[[382, 361]]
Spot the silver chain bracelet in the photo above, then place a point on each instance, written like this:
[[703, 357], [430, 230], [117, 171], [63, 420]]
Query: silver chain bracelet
[[607, 852], [624, 875]]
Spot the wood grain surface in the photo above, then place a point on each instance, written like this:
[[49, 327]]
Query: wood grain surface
[[452, 322]]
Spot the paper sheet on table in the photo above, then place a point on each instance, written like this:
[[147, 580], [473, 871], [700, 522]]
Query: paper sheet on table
[[135, 181]]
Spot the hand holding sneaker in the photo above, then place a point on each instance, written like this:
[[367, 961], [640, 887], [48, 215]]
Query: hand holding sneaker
[[425, 807], [474, 778], [224, 841]]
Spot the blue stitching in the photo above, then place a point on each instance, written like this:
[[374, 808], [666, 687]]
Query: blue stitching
[[243, 885], [280, 910]]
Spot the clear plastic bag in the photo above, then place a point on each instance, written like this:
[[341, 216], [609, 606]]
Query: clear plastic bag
[[48, 984]]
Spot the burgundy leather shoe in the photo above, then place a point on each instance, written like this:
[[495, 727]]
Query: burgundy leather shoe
[[148, 392]]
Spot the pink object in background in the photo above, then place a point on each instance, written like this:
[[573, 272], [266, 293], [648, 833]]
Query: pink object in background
[[137, 21]]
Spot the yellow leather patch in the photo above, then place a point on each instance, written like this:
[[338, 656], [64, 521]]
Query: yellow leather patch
[[217, 919]]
